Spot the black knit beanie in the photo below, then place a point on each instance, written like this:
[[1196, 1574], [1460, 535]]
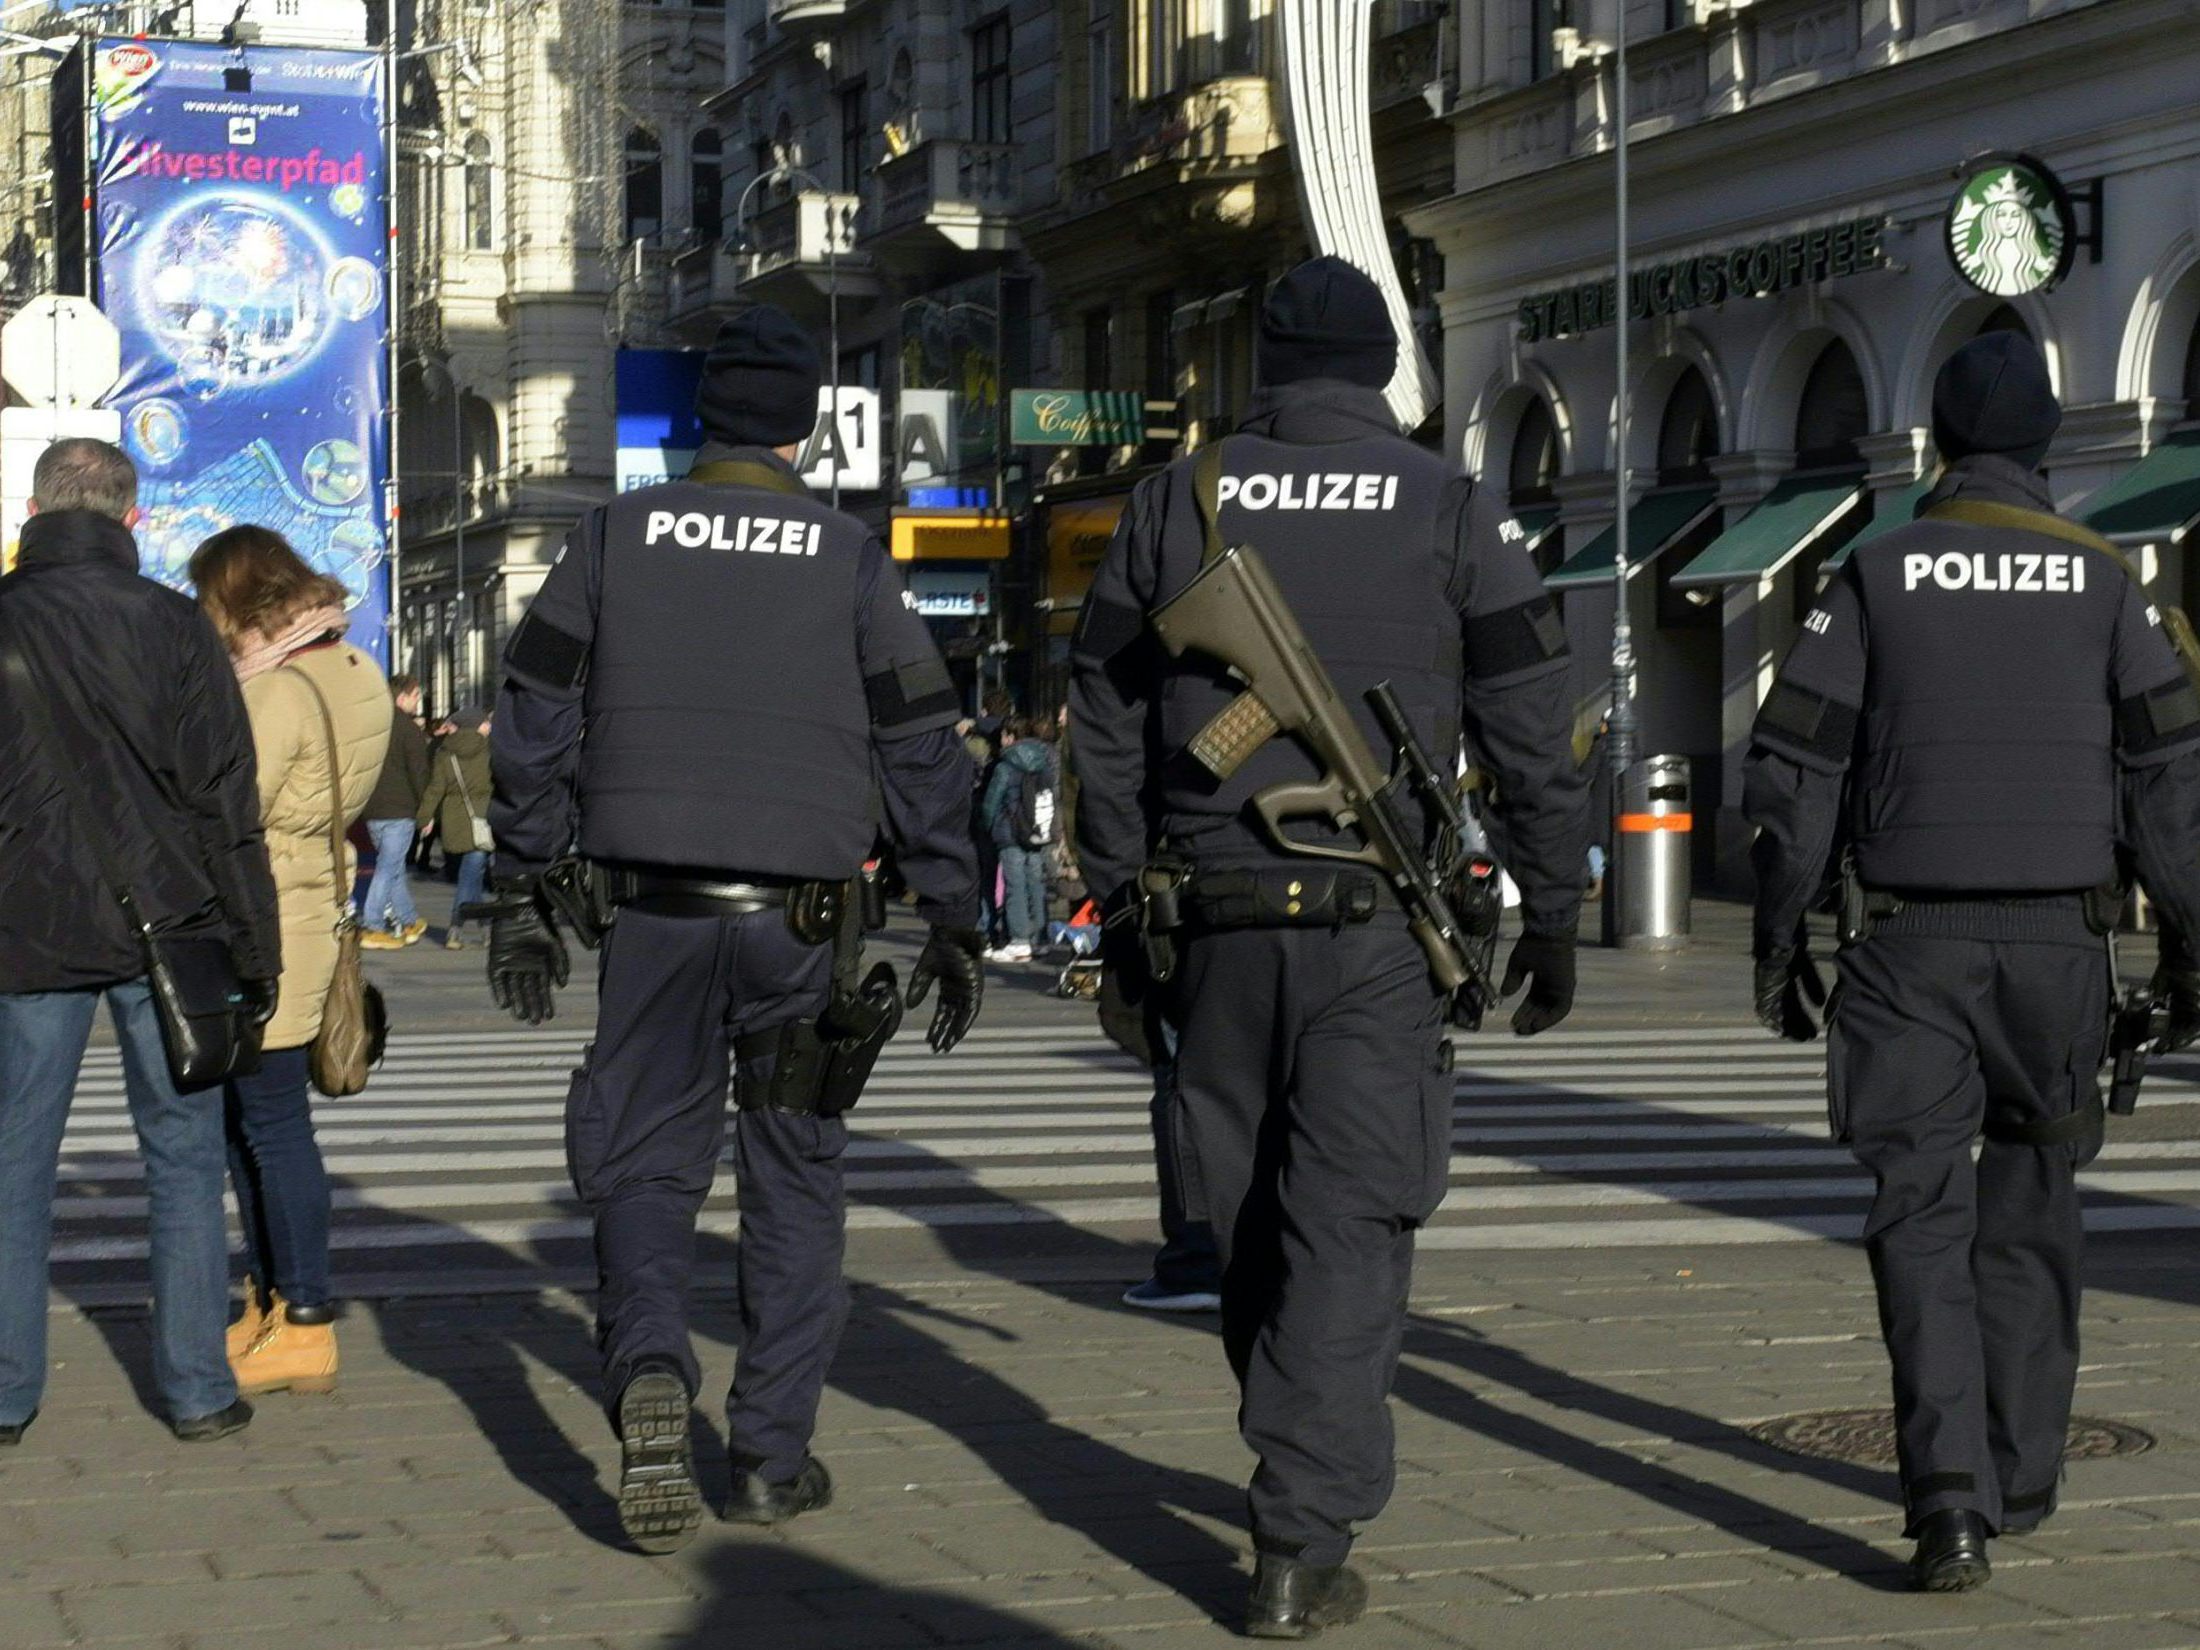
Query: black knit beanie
[[1325, 319], [760, 381], [1993, 396]]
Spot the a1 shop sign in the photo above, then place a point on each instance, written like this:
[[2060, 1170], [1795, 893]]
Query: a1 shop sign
[[846, 448]]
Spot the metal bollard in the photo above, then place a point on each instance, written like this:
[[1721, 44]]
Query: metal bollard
[[1651, 845]]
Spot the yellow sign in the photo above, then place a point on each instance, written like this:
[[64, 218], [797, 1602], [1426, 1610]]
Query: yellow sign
[[966, 535], [1077, 540]]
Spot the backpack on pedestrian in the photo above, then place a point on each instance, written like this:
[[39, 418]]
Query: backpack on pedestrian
[[1036, 815]]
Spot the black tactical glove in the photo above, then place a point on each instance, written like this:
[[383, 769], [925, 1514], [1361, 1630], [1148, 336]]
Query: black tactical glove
[[2178, 985], [260, 997], [1125, 985], [951, 956], [527, 960], [1788, 987], [1545, 964]]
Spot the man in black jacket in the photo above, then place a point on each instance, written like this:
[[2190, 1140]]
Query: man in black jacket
[[145, 703], [1314, 1069], [1984, 701]]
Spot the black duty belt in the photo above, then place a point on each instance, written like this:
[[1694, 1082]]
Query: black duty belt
[[674, 894], [1293, 898]]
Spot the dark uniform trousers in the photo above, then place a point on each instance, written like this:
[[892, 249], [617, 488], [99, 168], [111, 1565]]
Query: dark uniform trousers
[[1315, 1091], [1976, 1264], [645, 1123]]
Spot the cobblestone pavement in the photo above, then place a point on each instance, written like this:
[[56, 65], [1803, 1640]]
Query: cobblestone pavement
[[1023, 1462]]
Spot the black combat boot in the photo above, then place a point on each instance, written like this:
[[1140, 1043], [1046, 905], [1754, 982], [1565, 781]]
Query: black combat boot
[[204, 1429], [659, 1505], [1951, 1552], [1295, 1600], [753, 1501]]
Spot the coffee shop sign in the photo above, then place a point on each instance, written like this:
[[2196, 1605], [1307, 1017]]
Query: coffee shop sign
[[1757, 270], [1076, 418]]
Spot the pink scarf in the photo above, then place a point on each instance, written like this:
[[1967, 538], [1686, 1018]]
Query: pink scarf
[[272, 651]]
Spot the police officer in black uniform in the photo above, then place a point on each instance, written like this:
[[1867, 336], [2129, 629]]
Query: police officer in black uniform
[[718, 693], [1985, 709], [1314, 1068]]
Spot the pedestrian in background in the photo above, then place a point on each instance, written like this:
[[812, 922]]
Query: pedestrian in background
[[145, 709], [456, 809], [388, 915], [1022, 815], [321, 731], [1995, 750]]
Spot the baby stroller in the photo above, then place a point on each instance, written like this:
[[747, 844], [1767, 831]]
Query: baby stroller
[[1080, 976]]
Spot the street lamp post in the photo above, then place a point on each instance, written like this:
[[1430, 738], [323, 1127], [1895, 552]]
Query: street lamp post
[[1620, 731], [785, 173]]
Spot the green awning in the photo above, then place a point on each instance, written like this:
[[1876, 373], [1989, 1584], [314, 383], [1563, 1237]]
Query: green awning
[[2157, 500], [1537, 522], [1654, 521], [1789, 519], [1889, 511]]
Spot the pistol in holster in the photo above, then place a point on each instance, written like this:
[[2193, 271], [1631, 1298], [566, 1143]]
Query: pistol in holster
[[578, 893], [819, 1067], [1158, 908]]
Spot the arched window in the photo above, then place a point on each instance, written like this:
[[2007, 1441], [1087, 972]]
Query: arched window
[[1688, 434], [645, 186], [1834, 414], [2004, 318], [1534, 468], [706, 184], [480, 229]]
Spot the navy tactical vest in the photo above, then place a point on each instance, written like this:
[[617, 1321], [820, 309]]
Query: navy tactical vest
[[727, 728], [1985, 756], [1348, 529]]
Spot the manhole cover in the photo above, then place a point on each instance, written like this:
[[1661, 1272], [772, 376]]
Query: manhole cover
[[1867, 1436]]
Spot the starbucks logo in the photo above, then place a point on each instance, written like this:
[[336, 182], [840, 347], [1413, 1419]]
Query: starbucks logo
[[2009, 227]]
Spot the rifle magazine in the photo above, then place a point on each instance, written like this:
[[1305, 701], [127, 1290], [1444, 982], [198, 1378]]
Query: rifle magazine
[[1239, 729]]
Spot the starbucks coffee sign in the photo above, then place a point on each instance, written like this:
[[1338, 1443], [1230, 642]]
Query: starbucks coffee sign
[[2010, 227]]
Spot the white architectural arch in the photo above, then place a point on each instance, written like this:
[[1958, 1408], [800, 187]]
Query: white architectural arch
[[1495, 420], [1654, 379], [1782, 368], [1948, 321], [1326, 67], [2150, 361]]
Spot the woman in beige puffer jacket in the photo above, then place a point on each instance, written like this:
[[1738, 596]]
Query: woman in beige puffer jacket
[[284, 624]]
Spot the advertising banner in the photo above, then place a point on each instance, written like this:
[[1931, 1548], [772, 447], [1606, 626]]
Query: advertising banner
[[243, 255]]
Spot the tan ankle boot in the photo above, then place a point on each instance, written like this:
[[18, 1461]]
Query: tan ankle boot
[[289, 1356], [247, 1328]]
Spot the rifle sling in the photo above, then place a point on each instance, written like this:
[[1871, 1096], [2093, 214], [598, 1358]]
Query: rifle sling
[[742, 472], [1207, 494]]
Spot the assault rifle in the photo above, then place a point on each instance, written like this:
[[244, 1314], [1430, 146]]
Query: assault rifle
[[1232, 611]]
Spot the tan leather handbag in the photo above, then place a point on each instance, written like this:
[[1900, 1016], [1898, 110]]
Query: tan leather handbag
[[355, 1024]]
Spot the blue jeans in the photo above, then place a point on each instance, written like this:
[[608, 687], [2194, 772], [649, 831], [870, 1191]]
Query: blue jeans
[[389, 896], [1024, 892], [282, 1185], [42, 1037], [473, 884]]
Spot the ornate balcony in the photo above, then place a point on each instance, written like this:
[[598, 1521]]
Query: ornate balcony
[[803, 246], [946, 194], [807, 16]]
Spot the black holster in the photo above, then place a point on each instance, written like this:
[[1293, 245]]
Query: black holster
[[821, 1065], [578, 893]]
